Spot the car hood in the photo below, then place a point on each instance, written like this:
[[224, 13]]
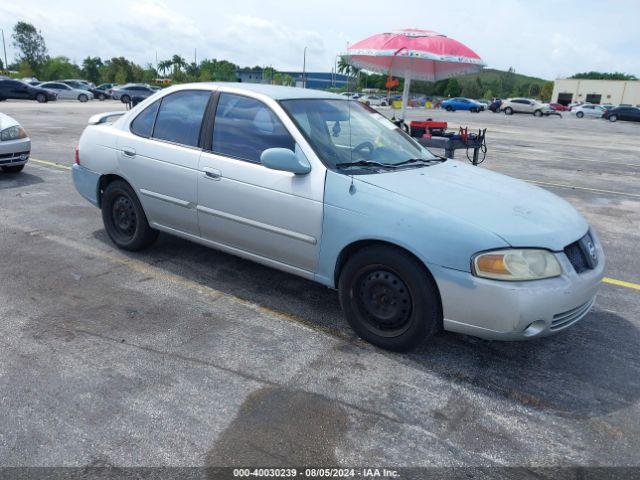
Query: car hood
[[521, 214], [6, 121]]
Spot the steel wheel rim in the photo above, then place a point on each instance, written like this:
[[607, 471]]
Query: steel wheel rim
[[123, 216], [383, 301]]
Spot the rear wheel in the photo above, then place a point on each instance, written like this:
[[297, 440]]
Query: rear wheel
[[127, 99], [389, 298], [41, 98], [508, 111], [537, 113], [102, 97], [579, 114], [613, 118], [83, 98], [124, 218], [13, 168], [449, 108]]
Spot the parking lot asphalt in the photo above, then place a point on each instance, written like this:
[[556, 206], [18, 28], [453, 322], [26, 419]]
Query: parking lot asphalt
[[184, 356]]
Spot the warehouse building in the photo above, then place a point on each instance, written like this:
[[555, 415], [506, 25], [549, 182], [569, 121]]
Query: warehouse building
[[317, 80], [616, 92]]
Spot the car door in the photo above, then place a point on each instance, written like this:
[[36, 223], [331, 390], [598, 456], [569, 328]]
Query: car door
[[18, 90], [159, 156], [273, 216]]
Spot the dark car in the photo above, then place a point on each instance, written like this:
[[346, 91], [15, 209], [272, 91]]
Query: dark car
[[17, 90], [631, 114], [495, 105], [97, 92]]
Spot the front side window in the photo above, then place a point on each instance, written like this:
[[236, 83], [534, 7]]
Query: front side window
[[180, 117], [245, 127], [142, 125], [343, 132]]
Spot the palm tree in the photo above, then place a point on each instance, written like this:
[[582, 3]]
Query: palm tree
[[178, 63], [163, 66], [345, 68]]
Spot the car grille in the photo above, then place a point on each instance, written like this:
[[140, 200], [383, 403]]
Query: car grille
[[582, 254], [7, 158], [564, 319]]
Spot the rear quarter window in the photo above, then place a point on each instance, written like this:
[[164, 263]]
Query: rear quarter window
[[142, 125]]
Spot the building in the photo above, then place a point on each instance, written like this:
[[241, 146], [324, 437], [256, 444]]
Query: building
[[316, 80], [616, 92]]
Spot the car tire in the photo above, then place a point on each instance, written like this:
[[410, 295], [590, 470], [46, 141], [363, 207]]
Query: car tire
[[474, 110], [579, 114], [83, 98], [127, 99], [124, 219], [508, 111], [613, 118], [102, 97], [537, 113], [41, 98], [13, 168], [449, 108], [389, 298]]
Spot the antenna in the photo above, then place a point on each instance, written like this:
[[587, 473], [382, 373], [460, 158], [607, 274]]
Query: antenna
[[352, 188]]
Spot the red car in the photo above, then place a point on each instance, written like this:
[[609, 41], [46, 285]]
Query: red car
[[559, 107]]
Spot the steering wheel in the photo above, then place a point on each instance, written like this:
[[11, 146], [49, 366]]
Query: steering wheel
[[362, 146]]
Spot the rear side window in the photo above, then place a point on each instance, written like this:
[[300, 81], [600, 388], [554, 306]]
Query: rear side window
[[180, 117], [245, 127], [142, 125]]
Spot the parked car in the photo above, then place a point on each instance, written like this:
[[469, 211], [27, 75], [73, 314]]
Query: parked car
[[15, 145], [374, 100], [130, 91], [630, 114], [17, 90], [65, 92], [461, 103], [524, 105], [558, 107], [494, 106], [588, 110], [107, 87], [326, 188], [84, 85]]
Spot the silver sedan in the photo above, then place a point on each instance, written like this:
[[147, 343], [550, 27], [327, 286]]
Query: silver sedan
[[15, 145], [65, 92]]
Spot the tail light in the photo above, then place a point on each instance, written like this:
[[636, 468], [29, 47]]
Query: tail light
[[77, 156]]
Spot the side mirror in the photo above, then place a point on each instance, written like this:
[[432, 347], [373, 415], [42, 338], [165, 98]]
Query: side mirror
[[285, 160]]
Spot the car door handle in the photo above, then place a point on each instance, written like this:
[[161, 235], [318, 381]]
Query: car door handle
[[212, 173], [129, 152]]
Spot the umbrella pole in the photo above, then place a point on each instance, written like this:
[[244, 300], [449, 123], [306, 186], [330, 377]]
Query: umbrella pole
[[405, 95]]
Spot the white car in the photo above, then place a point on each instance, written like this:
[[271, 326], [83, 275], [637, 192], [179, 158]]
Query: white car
[[588, 110], [15, 145], [524, 105], [65, 92], [374, 100]]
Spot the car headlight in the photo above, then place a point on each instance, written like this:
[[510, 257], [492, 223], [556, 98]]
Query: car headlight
[[13, 133], [516, 264]]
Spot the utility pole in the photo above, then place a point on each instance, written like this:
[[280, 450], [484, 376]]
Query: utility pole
[[304, 68], [195, 56], [4, 47]]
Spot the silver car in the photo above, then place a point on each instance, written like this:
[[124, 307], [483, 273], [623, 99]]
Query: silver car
[[127, 93], [588, 110], [15, 145], [65, 92], [326, 188]]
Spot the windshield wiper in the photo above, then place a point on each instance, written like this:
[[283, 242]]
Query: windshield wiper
[[420, 160], [364, 163]]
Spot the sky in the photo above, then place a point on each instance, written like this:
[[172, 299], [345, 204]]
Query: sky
[[548, 39]]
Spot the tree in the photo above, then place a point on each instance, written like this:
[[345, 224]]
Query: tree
[[59, 67], [471, 90], [604, 76], [178, 64], [345, 68], [1, 65], [91, 69], [453, 88], [534, 90], [267, 74], [164, 66], [24, 70], [488, 94], [287, 80], [277, 78], [31, 45], [546, 91]]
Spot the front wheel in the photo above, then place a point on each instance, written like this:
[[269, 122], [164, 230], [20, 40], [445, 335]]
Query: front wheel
[[41, 98], [127, 99], [537, 113], [124, 218], [83, 98], [102, 97], [508, 111], [13, 169], [613, 118], [580, 114], [389, 298]]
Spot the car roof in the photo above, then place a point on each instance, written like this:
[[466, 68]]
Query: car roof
[[276, 92]]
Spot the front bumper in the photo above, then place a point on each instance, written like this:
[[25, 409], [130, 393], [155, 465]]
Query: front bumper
[[15, 152], [499, 310], [86, 182]]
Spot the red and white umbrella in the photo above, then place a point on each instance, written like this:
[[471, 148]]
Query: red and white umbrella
[[414, 55]]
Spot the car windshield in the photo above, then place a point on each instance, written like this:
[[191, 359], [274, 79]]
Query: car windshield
[[344, 132]]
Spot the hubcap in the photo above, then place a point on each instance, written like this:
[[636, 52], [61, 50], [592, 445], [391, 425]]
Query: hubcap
[[124, 216], [384, 302]]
